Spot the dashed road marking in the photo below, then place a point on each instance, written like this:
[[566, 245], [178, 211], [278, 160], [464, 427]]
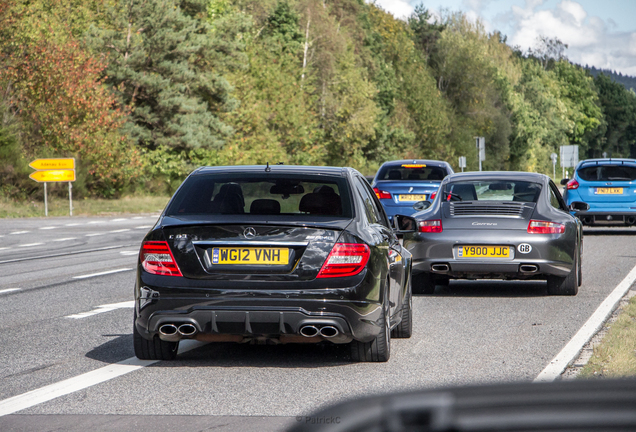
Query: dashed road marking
[[48, 228], [80, 382], [65, 239], [72, 224], [143, 227], [95, 234], [8, 290], [118, 220], [102, 273], [571, 351], [19, 232], [103, 308], [129, 252], [30, 244], [120, 230]]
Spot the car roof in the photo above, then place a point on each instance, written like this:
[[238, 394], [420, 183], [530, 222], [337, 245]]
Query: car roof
[[599, 161], [415, 161], [497, 175], [274, 169]]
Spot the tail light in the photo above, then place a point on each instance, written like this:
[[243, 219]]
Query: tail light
[[345, 259], [382, 194], [572, 184], [544, 227], [431, 226], [433, 195], [156, 258]]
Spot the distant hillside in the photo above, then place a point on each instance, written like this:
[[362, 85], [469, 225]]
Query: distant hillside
[[629, 82]]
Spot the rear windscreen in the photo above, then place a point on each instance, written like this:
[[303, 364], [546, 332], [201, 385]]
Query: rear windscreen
[[494, 190], [608, 173], [412, 172], [259, 194]]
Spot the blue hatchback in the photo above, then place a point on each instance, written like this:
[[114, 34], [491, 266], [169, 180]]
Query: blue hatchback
[[401, 185], [608, 186]]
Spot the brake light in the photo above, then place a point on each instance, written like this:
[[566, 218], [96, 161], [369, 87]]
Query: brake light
[[572, 184], [431, 226], [156, 258], [433, 195], [382, 194], [544, 227], [345, 259]]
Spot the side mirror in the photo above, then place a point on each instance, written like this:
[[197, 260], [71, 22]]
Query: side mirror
[[404, 224], [564, 181], [421, 205], [579, 206]]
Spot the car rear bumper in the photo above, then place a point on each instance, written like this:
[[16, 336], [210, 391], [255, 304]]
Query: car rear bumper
[[514, 269], [609, 216], [251, 316]]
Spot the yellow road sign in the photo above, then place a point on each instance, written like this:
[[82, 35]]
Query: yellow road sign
[[53, 176], [53, 164]]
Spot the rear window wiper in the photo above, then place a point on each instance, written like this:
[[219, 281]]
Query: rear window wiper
[[454, 195]]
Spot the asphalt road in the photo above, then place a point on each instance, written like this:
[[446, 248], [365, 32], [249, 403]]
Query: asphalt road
[[66, 311]]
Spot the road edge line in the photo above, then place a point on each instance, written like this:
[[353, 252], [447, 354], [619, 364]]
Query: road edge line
[[573, 348]]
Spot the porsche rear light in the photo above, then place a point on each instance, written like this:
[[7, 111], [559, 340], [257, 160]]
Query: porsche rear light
[[544, 227], [382, 194], [572, 184], [431, 226], [156, 258], [345, 259]]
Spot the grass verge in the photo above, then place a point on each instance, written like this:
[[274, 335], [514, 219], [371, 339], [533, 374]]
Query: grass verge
[[615, 356], [83, 207]]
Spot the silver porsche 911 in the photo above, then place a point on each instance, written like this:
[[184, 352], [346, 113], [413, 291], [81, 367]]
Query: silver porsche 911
[[496, 225]]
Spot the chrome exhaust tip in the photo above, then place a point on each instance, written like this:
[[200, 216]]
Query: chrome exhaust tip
[[168, 330], [187, 329], [309, 331], [440, 268], [528, 268], [328, 331]]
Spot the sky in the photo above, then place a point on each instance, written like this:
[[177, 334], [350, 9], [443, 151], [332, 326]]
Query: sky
[[599, 33]]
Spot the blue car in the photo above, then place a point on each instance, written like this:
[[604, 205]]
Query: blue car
[[608, 186], [402, 185]]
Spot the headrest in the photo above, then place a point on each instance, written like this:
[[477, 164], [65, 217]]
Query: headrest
[[265, 207], [321, 204], [229, 189]]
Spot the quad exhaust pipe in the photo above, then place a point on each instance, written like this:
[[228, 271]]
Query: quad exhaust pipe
[[172, 332], [327, 331]]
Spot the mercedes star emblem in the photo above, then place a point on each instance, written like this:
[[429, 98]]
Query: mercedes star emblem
[[249, 232]]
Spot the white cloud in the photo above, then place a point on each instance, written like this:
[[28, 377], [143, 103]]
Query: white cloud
[[400, 9]]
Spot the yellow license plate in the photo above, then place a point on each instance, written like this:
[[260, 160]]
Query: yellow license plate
[[609, 191], [483, 252], [411, 197], [250, 256]]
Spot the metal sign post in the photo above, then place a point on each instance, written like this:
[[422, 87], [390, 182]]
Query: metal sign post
[[569, 157], [554, 157], [481, 149], [54, 170], [462, 162]]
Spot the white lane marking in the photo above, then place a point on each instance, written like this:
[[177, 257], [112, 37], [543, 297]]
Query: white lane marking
[[19, 232], [72, 224], [129, 252], [3, 248], [8, 290], [65, 239], [101, 273], [95, 234], [80, 382], [30, 244], [143, 227], [96, 222], [120, 230], [138, 217], [48, 228], [103, 308], [585, 333], [118, 220]]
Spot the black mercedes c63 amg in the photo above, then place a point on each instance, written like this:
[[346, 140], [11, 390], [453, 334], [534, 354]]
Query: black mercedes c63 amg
[[289, 254]]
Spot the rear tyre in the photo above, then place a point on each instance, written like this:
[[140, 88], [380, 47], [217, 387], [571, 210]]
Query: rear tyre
[[379, 349], [567, 286], [154, 349], [423, 283], [405, 328]]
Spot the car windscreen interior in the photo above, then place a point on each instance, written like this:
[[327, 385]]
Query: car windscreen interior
[[608, 173], [412, 172], [494, 190], [262, 195]]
